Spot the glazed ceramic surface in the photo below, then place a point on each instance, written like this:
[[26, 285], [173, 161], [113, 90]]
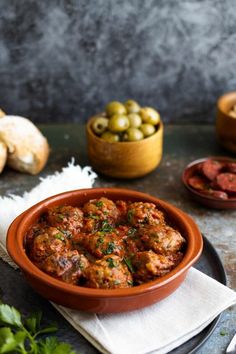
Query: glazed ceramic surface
[[125, 159], [207, 200], [225, 124], [101, 300]]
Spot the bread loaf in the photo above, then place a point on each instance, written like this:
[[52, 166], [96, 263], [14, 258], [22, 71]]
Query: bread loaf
[[28, 149], [3, 155], [2, 113]]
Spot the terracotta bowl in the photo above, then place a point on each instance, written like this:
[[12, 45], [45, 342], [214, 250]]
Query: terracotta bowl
[[102, 300], [225, 124], [206, 200], [125, 159]]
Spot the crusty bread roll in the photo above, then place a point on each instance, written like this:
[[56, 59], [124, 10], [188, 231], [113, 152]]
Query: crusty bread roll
[[3, 155], [2, 114], [28, 149]]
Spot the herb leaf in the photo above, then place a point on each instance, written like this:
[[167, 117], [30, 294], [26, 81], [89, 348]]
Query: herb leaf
[[106, 227], [9, 315], [33, 322], [129, 264], [23, 338], [7, 340], [99, 204], [51, 345]]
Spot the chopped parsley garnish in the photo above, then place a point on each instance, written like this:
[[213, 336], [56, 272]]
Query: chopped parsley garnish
[[66, 233], [223, 333], [92, 216], [99, 204], [106, 227], [99, 242], [130, 282], [60, 237], [131, 231], [110, 248], [60, 217], [116, 282], [129, 264], [111, 263], [130, 215]]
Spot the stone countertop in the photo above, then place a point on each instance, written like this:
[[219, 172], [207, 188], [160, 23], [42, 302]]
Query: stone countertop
[[182, 144]]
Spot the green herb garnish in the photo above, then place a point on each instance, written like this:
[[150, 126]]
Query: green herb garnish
[[130, 215], [111, 263], [129, 264], [99, 204], [131, 231], [60, 217], [60, 237], [110, 248], [93, 216], [18, 335], [130, 282], [223, 333], [99, 242], [106, 227], [116, 282]]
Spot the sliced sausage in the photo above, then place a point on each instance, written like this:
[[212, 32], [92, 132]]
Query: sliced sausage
[[230, 167], [227, 182], [211, 168], [197, 182], [216, 193]]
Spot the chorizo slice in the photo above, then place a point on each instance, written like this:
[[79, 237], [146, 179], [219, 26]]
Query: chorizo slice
[[216, 193], [230, 167], [226, 182], [198, 182], [211, 168]]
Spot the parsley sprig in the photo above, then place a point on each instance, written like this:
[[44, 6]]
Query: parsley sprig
[[23, 335]]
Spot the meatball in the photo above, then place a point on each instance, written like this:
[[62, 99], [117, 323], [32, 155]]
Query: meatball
[[149, 265], [108, 273], [68, 219], [100, 244], [122, 206], [69, 266], [162, 239], [102, 209], [49, 242], [144, 213]]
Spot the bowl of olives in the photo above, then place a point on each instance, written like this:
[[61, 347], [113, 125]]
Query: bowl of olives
[[125, 141]]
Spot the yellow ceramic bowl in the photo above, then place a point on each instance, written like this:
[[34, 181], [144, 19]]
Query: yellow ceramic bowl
[[225, 124], [125, 159]]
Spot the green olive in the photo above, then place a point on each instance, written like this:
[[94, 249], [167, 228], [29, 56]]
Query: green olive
[[149, 115], [133, 134], [118, 123], [132, 106], [115, 107], [99, 125], [147, 129], [110, 137], [134, 120]]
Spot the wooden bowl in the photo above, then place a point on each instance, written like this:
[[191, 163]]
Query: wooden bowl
[[206, 200], [125, 159], [103, 300], [225, 124]]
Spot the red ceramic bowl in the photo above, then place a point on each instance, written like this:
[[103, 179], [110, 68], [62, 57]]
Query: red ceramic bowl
[[207, 200], [102, 300]]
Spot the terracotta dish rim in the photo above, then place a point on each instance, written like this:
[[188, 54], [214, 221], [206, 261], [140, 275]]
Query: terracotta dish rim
[[16, 234]]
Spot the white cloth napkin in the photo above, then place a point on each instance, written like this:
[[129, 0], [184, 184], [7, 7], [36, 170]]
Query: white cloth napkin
[[156, 329]]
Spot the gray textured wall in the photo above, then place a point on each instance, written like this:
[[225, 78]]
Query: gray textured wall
[[62, 60]]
